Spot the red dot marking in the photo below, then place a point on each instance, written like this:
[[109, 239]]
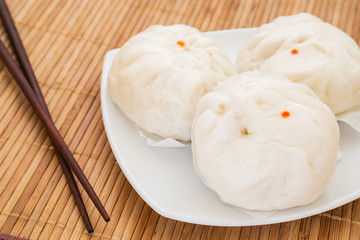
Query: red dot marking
[[294, 51], [180, 43], [285, 114]]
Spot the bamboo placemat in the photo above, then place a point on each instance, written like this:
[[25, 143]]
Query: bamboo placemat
[[66, 42]]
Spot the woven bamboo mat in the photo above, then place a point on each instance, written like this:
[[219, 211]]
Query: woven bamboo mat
[[66, 42]]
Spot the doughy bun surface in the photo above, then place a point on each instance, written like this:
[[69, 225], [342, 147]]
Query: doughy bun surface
[[262, 142], [159, 74], [310, 51]]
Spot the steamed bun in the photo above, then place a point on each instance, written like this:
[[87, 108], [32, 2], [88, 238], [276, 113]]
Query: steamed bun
[[310, 51], [159, 75], [262, 142]]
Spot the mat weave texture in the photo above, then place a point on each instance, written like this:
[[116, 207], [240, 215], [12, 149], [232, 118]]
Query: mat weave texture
[[66, 42]]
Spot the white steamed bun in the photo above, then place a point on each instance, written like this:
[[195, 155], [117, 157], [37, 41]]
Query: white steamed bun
[[310, 51], [159, 75], [264, 143]]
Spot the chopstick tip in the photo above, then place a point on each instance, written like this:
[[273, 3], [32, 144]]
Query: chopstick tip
[[88, 225]]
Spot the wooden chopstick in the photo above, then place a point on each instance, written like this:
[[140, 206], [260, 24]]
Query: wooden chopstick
[[29, 73], [38, 104], [20, 79]]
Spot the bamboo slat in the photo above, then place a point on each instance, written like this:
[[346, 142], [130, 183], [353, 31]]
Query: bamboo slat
[[66, 41]]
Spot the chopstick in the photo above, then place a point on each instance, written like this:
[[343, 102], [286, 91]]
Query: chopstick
[[29, 73], [32, 92]]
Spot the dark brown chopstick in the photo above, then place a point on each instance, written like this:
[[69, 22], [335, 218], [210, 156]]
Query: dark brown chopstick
[[33, 94], [29, 73], [20, 79]]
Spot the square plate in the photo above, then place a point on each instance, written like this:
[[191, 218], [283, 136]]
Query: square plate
[[166, 180]]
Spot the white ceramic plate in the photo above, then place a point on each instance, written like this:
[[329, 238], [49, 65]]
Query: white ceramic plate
[[166, 180]]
